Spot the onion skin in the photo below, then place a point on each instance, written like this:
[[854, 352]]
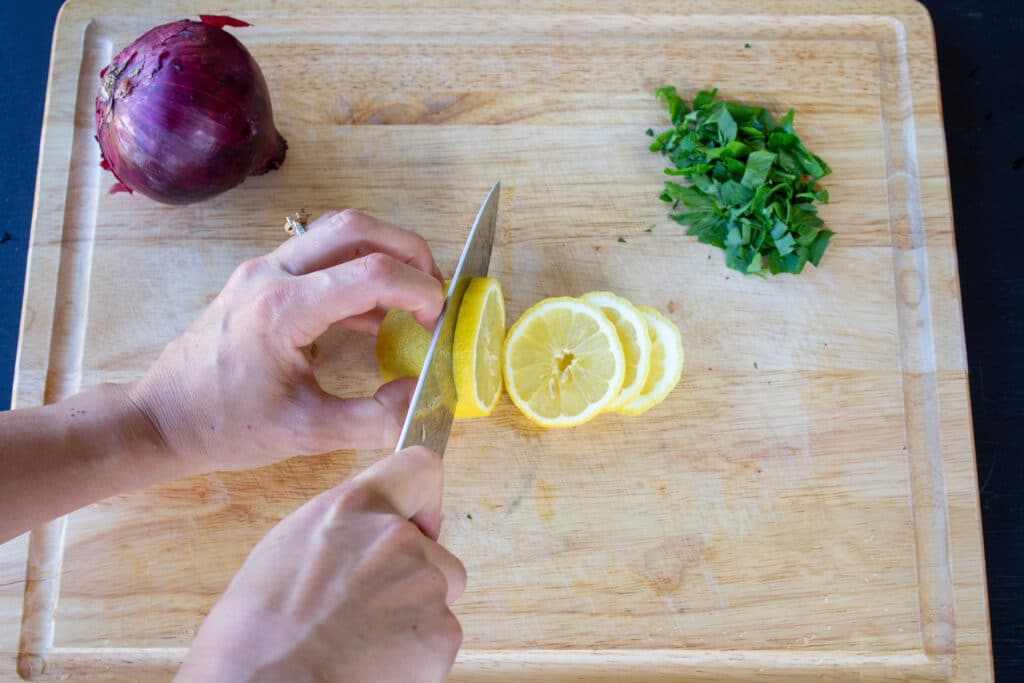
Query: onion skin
[[183, 114]]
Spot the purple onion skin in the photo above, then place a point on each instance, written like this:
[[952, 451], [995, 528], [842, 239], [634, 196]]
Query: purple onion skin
[[183, 114]]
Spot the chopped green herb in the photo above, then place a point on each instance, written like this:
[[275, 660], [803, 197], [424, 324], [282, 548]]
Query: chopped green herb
[[649, 228], [753, 183], [746, 45], [755, 365], [623, 240], [650, 132], [469, 516]]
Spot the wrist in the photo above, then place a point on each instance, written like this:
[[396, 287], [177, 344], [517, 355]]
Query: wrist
[[168, 425], [135, 437], [231, 647]]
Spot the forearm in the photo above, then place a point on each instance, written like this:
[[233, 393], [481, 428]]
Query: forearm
[[57, 458]]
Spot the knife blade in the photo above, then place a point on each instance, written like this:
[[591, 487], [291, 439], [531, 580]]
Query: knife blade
[[432, 408]]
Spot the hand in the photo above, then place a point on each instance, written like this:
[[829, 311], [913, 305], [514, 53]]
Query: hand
[[346, 588], [236, 390]]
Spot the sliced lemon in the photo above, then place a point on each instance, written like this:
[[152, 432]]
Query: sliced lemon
[[401, 345], [476, 353], [666, 363], [564, 362], [636, 342]]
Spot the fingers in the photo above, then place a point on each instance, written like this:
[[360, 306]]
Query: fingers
[[362, 422], [450, 566], [368, 322], [395, 397], [311, 303], [340, 236], [409, 484]]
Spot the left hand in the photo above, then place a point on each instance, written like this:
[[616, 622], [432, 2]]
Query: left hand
[[236, 390]]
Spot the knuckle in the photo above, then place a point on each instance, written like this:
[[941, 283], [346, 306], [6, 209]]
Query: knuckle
[[400, 533], [270, 303], [350, 499], [322, 223], [460, 574], [435, 583], [351, 220], [421, 455], [425, 460], [422, 246], [378, 267], [449, 633], [249, 270], [314, 284]]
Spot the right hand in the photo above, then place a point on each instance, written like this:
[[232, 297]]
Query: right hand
[[352, 586]]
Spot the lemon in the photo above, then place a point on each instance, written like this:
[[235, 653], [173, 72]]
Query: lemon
[[401, 345], [476, 352], [636, 342], [666, 363], [564, 362]]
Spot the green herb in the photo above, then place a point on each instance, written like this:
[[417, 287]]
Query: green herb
[[755, 365], [746, 45], [753, 183], [623, 240], [649, 228], [469, 516]]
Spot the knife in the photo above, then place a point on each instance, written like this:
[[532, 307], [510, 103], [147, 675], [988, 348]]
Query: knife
[[432, 408]]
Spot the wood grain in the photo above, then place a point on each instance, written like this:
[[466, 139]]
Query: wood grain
[[803, 506]]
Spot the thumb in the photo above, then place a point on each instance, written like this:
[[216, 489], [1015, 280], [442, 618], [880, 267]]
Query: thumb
[[365, 422]]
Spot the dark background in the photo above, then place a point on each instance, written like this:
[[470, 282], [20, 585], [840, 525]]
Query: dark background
[[981, 57]]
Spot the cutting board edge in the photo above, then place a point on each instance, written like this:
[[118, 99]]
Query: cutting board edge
[[474, 666], [75, 4]]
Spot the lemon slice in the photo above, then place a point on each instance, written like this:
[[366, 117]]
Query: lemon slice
[[401, 345], [476, 353], [564, 362], [636, 342], [666, 363]]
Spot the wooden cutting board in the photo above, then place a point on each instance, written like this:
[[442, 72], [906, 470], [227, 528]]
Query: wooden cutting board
[[804, 505]]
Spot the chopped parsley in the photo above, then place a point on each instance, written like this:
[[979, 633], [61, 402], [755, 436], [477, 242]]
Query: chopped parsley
[[623, 240], [752, 183]]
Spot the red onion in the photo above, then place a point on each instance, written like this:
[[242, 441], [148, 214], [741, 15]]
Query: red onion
[[183, 114]]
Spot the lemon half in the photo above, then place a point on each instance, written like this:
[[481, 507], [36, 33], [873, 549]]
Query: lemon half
[[402, 345], [564, 363]]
